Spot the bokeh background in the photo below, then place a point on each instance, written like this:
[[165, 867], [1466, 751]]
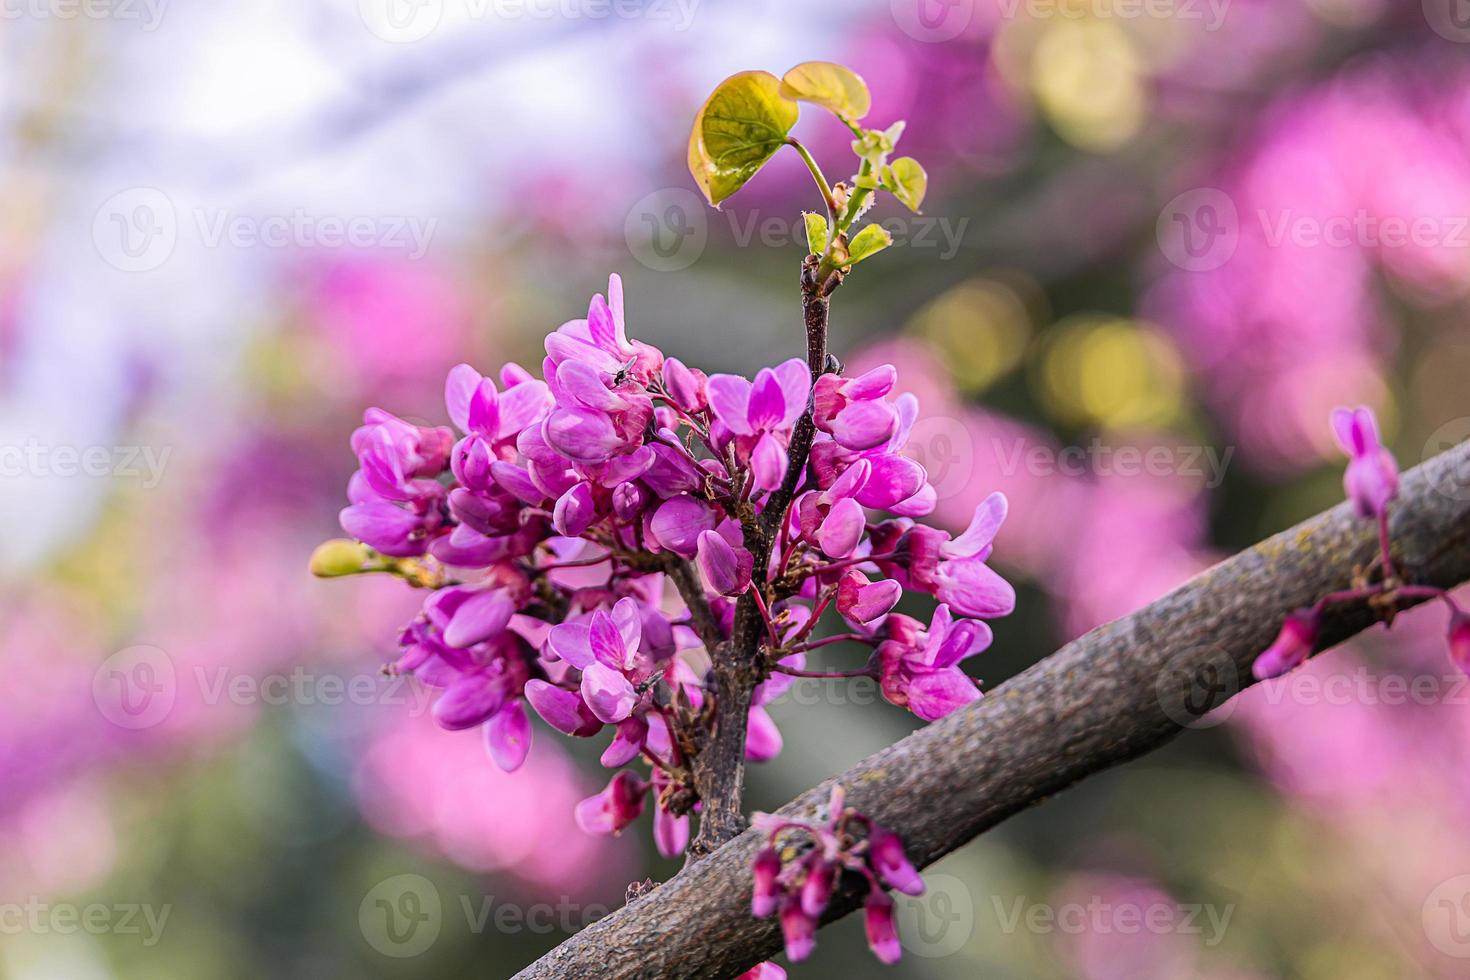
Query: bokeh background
[[1163, 239]]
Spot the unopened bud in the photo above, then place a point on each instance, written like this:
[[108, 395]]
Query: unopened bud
[[339, 557]]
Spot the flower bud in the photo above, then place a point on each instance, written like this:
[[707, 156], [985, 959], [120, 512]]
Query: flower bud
[[1292, 646], [615, 807], [817, 889], [338, 557], [879, 924], [892, 864], [726, 569], [799, 930], [1460, 641], [765, 869]]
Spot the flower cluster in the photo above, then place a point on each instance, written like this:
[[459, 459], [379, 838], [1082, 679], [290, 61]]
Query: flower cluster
[[798, 869], [1371, 482], [585, 539]]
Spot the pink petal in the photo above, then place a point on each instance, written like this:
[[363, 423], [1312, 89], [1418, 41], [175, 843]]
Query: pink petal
[[729, 399], [572, 642], [459, 388], [480, 617], [932, 696], [767, 407], [575, 511], [762, 737], [561, 709], [582, 434], [608, 693], [508, 736], [864, 425], [989, 516], [795, 379], [974, 589], [769, 461], [469, 701], [677, 523], [843, 527]]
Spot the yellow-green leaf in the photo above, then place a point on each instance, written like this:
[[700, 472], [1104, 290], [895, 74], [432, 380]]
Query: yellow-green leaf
[[828, 85], [740, 126], [870, 241], [816, 232], [908, 182]]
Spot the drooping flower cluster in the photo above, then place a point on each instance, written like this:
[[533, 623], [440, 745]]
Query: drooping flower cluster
[[584, 538], [798, 869], [1371, 483]]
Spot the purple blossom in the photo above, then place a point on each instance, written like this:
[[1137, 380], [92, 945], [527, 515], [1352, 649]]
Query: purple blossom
[[1292, 646], [1372, 476], [544, 532]]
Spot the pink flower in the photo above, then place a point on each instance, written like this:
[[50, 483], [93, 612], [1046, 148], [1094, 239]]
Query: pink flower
[[615, 807], [1292, 645], [854, 410], [606, 651], [1459, 640], [879, 924], [1372, 476], [725, 567], [861, 601], [761, 413], [920, 670]]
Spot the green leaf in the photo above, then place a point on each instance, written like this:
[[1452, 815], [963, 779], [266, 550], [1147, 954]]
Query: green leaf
[[816, 232], [870, 241], [875, 144], [830, 86], [906, 178], [740, 126]]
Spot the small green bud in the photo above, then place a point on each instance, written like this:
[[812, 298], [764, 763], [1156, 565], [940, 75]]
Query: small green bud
[[339, 557]]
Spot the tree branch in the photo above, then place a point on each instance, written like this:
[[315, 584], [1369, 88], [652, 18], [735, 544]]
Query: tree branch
[[719, 769], [1112, 695]]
